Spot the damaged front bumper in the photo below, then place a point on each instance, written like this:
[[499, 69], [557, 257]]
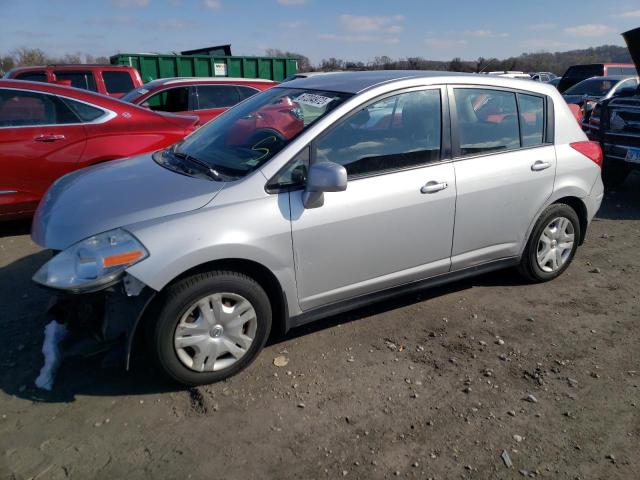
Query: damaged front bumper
[[103, 321]]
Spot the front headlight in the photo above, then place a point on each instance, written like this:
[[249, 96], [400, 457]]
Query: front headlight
[[92, 264]]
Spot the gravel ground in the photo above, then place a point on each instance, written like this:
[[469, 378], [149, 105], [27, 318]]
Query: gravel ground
[[436, 385]]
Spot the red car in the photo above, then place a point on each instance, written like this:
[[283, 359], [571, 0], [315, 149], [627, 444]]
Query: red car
[[112, 80], [206, 97], [48, 130]]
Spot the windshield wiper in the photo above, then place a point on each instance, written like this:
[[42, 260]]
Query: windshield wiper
[[210, 172]]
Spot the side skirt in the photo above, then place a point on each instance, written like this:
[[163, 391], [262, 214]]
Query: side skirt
[[363, 300]]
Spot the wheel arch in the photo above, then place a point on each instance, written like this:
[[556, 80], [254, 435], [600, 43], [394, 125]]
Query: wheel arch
[[258, 272]]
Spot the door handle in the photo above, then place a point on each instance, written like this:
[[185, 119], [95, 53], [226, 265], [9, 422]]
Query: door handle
[[433, 187], [49, 138], [540, 165]]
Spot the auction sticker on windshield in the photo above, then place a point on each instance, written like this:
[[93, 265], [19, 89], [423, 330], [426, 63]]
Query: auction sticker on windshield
[[313, 100], [633, 155]]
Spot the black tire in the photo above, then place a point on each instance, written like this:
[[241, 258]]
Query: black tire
[[184, 293], [614, 174], [529, 267]]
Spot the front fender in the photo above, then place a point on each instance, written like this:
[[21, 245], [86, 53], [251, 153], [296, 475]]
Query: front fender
[[256, 230]]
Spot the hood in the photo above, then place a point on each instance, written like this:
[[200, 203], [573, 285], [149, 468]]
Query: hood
[[112, 195], [632, 37]]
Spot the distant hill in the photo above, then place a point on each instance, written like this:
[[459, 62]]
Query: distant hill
[[556, 62]]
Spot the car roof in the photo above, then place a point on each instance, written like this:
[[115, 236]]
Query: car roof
[[62, 90], [608, 77], [74, 66], [356, 82], [177, 80]]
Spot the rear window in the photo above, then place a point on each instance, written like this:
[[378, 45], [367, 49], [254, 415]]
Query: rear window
[[584, 71], [32, 76], [85, 113], [117, 82], [217, 96], [79, 79]]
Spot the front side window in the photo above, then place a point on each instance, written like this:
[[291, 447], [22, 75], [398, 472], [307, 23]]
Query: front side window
[[117, 82], [247, 136], [33, 76], [170, 100], [80, 79], [397, 132], [217, 96], [20, 108], [487, 120], [246, 92]]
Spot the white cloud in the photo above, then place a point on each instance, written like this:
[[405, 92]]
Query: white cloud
[[629, 14], [484, 34], [362, 23], [588, 30], [130, 3], [359, 38], [213, 4], [444, 43], [542, 26], [291, 2], [292, 25]]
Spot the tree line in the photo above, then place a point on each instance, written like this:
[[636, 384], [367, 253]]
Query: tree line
[[556, 62]]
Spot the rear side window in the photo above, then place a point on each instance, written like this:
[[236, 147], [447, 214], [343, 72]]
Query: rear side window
[[532, 117], [217, 96], [117, 82], [397, 132], [79, 79], [171, 100], [487, 120], [20, 108], [85, 113], [246, 92], [33, 76]]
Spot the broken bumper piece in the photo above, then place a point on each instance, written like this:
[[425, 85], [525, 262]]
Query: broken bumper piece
[[100, 322]]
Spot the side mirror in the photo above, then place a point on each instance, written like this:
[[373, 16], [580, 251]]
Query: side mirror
[[323, 177]]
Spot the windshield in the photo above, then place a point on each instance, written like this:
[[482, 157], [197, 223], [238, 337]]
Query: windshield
[[592, 86], [135, 93], [248, 135]]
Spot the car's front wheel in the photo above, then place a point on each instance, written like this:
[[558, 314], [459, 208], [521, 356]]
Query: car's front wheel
[[552, 244], [211, 326]]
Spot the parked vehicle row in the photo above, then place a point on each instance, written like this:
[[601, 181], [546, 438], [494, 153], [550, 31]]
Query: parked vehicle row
[[311, 198], [615, 123], [111, 80]]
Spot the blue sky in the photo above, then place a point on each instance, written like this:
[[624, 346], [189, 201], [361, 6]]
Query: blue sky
[[348, 29]]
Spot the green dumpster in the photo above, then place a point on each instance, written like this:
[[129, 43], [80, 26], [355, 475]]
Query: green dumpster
[[152, 66]]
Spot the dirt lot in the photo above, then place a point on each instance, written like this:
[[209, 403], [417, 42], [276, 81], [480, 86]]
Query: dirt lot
[[429, 386]]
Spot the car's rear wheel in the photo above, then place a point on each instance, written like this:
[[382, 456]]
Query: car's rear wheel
[[211, 326], [552, 244]]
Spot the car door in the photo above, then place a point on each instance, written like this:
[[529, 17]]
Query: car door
[[394, 222], [505, 169], [40, 140], [212, 100]]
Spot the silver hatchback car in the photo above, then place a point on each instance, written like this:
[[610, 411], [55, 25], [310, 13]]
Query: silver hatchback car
[[311, 198]]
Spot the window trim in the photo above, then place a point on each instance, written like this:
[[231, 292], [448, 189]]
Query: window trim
[[196, 94], [108, 114], [455, 131], [445, 130]]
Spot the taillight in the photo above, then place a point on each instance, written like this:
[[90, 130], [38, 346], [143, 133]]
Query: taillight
[[591, 150]]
